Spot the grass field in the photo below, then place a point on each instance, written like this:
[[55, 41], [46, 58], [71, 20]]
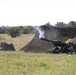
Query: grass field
[[22, 63], [18, 42]]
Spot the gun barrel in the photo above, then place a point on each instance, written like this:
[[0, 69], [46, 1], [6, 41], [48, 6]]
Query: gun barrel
[[55, 42], [46, 39]]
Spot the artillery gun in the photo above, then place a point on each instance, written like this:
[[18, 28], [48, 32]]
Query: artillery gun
[[61, 47]]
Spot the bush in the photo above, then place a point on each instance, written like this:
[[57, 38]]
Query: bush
[[13, 31]]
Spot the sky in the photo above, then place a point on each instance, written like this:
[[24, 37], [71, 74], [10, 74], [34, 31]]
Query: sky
[[36, 12]]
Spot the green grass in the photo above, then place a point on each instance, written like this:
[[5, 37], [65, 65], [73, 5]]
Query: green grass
[[20, 63]]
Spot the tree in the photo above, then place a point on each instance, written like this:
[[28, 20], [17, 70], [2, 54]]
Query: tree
[[72, 23], [13, 31], [60, 24], [28, 29], [3, 30], [46, 26]]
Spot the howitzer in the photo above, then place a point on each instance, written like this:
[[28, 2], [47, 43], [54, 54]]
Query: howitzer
[[61, 47]]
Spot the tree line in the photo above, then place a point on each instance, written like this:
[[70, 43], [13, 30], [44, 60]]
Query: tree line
[[18, 30]]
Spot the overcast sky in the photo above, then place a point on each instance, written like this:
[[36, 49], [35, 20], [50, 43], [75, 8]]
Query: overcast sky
[[36, 12]]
